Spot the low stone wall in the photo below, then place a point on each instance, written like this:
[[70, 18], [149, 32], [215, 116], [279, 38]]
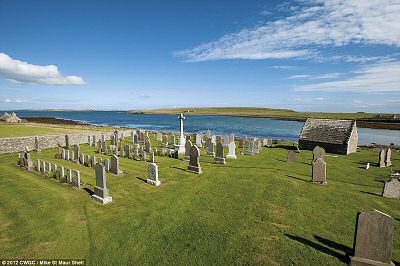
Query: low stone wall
[[10, 145]]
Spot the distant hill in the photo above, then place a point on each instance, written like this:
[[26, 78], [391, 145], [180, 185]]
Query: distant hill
[[66, 110]]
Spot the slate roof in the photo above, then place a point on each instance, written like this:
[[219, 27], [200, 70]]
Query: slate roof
[[327, 130]]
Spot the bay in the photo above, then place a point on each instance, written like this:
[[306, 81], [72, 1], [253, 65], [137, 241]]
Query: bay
[[241, 126]]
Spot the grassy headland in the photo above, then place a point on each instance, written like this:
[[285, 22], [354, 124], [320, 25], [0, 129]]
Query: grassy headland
[[363, 119]]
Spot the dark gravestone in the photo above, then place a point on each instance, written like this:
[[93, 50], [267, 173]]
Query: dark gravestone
[[219, 157], [194, 162], [291, 157], [188, 146], [319, 171], [373, 239]]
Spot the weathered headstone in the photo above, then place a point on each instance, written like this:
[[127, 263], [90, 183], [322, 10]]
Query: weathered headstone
[[211, 148], [318, 152], [94, 161], [153, 175], [231, 137], [107, 165], [194, 161], [144, 155], [115, 165], [76, 179], [87, 159], [291, 157], [219, 156], [37, 144], [188, 145], [373, 239], [226, 140], [147, 144], [250, 147], [382, 158], [232, 150], [388, 160], [392, 189], [241, 142], [151, 157], [165, 140], [136, 153], [319, 171], [101, 193], [67, 141], [38, 165]]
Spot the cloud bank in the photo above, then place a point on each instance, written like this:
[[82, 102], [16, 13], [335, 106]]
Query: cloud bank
[[320, 23], [23, 72], [379, 77]]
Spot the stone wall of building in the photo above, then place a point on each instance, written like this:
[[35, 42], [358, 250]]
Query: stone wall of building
[[353, 141], [328, 147], [18, 144]]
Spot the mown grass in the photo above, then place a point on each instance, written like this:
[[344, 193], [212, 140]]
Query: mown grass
[[25, 129], [256, 112], [253, 210]]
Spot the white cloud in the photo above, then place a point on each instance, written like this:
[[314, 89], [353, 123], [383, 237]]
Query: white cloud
[[23, 72], [284, 67], [8, 100], [300, 76], [323, 23], [379, 77]]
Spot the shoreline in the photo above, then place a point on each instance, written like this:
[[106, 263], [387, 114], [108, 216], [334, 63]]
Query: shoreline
[[63, 121]]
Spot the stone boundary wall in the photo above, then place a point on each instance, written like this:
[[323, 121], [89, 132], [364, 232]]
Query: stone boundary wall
[[18, 144]]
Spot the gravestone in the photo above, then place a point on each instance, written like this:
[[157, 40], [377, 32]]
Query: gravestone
[[319, 171], [318, 152], [101, 193], [392, 189], [269, 143], [136, 153], [147, 144], [388, 160], [226, 140], [107, 165], [219, 156], [68, 156], [94, 141], [88, 162], [104, 147], [188, 145], [122, 154], [153, 175], [214, 139], [72, 158], [38, 165], [67, 141], [44, 167], [76, 179], [62, 172], [94, 161], [159, 136], [128, 149], [89, 140], [373, 239], [144, 155], [136, 140], [211, 148], [382, 158], [173, 140], [151, 157], [37, 144], [69, 175], [165, 140], [241, 143], [194, 161], [232, 150], [198, 141], [250, 147], [291, 157], [115, 165]]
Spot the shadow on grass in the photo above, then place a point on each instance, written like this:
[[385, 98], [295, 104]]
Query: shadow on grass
[[297, 178], [341, 257], [179, 168], [370, 193], [351, 183], [88, 190], [141, 178]]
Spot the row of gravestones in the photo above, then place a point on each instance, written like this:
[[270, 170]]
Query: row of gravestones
[[62, 174]]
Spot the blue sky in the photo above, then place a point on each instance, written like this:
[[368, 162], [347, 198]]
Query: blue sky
[[306, 55]]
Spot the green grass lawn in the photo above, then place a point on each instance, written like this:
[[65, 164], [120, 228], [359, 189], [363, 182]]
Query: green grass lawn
[[253, 210], [22, 130]]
